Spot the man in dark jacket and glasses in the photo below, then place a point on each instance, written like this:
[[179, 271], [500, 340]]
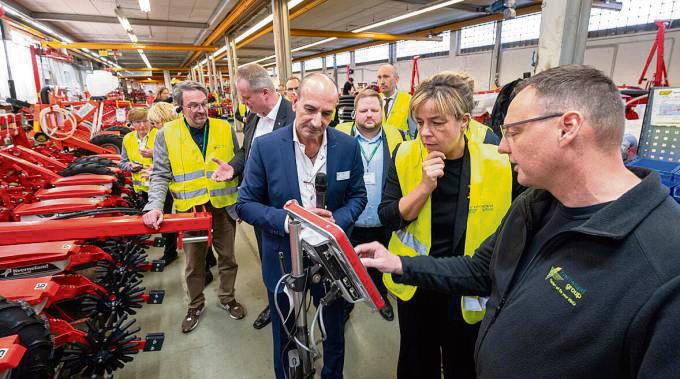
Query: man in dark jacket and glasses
[[583, 274]]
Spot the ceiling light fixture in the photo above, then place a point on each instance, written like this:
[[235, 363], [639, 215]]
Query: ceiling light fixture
[[123, 20], [145, 6], [133, 37], [372, 26], [144, 58], [408, 15], [291, 4], [13, 12]]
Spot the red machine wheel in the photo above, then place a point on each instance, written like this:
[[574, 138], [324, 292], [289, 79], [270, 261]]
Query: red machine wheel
[[109, 141], [20, 319]]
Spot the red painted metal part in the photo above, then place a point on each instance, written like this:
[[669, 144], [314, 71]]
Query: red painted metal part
[[24, 164], [36, 72], [415, 74], [57, 206], [64, 332], [83, 191], [86, 179], [37, 158], [660, 75], [35, 254], [11, 353], [12, 233]]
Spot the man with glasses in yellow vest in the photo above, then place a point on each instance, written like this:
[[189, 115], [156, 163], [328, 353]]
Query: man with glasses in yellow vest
[[395, 102], [137, 153], [183, 164]]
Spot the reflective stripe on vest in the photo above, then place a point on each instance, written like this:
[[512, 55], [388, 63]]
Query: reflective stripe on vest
[[139, 183], [188, 176], [191, 172], [398, 116], [392, 135], [490, 197]]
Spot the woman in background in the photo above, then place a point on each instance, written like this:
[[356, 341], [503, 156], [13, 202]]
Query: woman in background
[[159, 114]]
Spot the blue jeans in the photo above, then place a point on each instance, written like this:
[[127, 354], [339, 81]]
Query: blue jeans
[[333, 346]]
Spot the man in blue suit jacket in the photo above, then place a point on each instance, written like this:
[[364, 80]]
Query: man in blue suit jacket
[[282, 166]]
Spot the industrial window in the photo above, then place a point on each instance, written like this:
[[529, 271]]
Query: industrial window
[[633, 14], [472, 37], [516, 30], [342, 59], [296, 67], [524, 28], [411, 48], [313, 64], [372, 54]]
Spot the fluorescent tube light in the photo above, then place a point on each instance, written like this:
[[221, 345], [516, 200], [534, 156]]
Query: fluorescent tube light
[[145, 6]]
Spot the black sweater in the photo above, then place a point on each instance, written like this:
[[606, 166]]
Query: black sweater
[[600, 300]]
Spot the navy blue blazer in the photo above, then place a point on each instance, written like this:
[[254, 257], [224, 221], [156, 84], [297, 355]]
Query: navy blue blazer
[[270, 180]]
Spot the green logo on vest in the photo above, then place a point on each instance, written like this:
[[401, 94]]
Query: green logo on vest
[[565, 286]]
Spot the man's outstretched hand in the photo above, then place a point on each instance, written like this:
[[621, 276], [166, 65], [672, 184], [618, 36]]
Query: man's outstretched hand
[[153, 218], [377, 256], [223, 172]]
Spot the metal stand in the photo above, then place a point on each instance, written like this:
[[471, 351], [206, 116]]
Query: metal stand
[[301, 361]]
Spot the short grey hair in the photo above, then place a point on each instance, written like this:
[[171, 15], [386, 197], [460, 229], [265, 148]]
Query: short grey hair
[[587, 90], [257, 77], [187, 85]]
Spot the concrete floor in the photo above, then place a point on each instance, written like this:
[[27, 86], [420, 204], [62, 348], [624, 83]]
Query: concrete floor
[[225, 348]]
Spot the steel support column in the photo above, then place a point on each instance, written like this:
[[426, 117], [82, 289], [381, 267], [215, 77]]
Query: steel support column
[[211, 84], [392, 53], [496, 54], [216, 79], [564, 32], [231, 67], [282, 38], [166, 79]]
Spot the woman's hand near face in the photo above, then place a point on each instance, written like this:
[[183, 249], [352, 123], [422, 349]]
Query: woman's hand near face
[[433, 169]]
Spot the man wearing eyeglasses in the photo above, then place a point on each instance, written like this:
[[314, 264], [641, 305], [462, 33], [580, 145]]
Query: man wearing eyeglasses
[[583, 274], [184, 153], [292, 88], [269, 111]]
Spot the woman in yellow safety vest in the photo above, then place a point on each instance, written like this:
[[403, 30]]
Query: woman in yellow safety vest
[[137, 153], [160, 114], [443, 196]]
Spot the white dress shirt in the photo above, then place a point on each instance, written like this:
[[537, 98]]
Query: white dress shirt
[[266, 123], [307, 170]]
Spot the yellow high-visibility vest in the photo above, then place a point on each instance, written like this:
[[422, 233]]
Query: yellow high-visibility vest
[[131, 144], [476, 131], [392, 135], [191, 184], [398, 116], [490, 197]]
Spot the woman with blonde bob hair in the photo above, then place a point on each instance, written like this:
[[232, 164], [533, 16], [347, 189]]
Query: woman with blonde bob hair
[[444, 195], [160, 113]]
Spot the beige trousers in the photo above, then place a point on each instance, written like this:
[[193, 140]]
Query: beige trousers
[[224, 233]]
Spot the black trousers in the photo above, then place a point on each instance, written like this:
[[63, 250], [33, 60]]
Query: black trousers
[[170, 238], [364, 235], [435, 338]]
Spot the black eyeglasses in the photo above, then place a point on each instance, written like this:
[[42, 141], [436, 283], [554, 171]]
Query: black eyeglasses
[[505, 127]]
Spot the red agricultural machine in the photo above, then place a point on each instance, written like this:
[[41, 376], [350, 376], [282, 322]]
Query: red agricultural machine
[[68, 287], [73, 246]]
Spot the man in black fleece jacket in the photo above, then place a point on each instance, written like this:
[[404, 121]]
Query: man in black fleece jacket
[[583, 274]]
